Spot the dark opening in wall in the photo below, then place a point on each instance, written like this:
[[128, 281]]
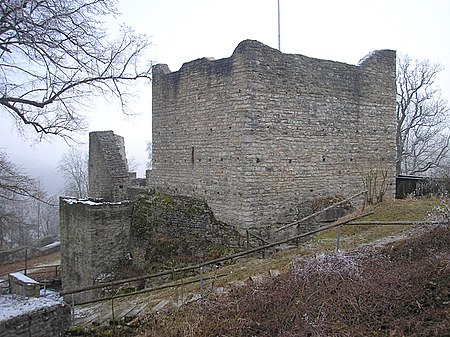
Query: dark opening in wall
[[257, 160], [192, 155]]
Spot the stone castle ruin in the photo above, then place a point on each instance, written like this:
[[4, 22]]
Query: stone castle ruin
[[240, 143], [260, 133]]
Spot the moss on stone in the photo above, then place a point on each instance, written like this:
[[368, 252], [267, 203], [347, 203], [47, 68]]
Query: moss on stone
[[163, 198], [176, 230], [142, 217]]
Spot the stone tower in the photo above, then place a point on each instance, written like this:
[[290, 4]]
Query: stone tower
[[108, 169], [261, 133]]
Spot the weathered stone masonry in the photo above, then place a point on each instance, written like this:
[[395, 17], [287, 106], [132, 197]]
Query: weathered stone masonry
[[260, 133], [108, 169], [46, 319], [95, 238], [98, 234]]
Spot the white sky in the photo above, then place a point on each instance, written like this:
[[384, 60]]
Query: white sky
[[182, 30]]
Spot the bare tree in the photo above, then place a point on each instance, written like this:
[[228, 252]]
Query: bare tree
[[74, 167], [17, 191], [422, 141], [133, 163], [149, 149], [50, 217], [54, 53], [13, 183]]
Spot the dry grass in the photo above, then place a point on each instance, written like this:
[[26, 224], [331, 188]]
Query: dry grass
[[327, 294], [400, 290]]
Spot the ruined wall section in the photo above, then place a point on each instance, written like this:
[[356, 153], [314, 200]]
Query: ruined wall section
[[36, 317], [177, 230], [197, 133], [95, 238], [108, 169], [259, 134]]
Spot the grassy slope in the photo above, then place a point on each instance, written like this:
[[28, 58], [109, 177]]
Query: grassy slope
[[352, 236], [398, 290]]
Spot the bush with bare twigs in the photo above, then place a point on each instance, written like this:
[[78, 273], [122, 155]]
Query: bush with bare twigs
[[397, 290]]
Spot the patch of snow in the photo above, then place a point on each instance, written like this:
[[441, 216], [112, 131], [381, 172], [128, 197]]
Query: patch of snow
[[51, 245], [15, 305], [23, 278], [92, 202], [51, 294]]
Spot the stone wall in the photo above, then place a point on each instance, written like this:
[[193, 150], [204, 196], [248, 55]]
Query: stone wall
[[95, 238], [180, 230], [261, 133], [38, 318], [108, 169], [19, 254]]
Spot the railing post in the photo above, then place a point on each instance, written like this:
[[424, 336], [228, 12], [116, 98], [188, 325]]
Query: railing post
[[73, 309], [201, 281], [113, 316], [26, 261], [174, 282], [338, 239], [248, 239]]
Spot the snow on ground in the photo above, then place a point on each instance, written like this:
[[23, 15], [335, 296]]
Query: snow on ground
[[15, 305]]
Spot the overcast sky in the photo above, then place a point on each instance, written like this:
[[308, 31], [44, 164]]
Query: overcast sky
[[184, 30]]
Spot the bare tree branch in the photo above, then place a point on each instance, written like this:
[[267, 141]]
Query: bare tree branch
[[54, 54], [422, 115], [17, 194], [74, 167]]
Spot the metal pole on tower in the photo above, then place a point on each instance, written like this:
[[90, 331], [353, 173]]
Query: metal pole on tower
[[279, 43]]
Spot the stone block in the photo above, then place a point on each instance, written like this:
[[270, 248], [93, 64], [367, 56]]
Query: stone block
[[21, 284]]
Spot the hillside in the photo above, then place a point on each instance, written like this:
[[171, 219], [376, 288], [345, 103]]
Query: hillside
[[387, 281], [401, 289]]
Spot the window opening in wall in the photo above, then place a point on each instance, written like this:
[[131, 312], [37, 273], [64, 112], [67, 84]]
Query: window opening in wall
[[192, 155]]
